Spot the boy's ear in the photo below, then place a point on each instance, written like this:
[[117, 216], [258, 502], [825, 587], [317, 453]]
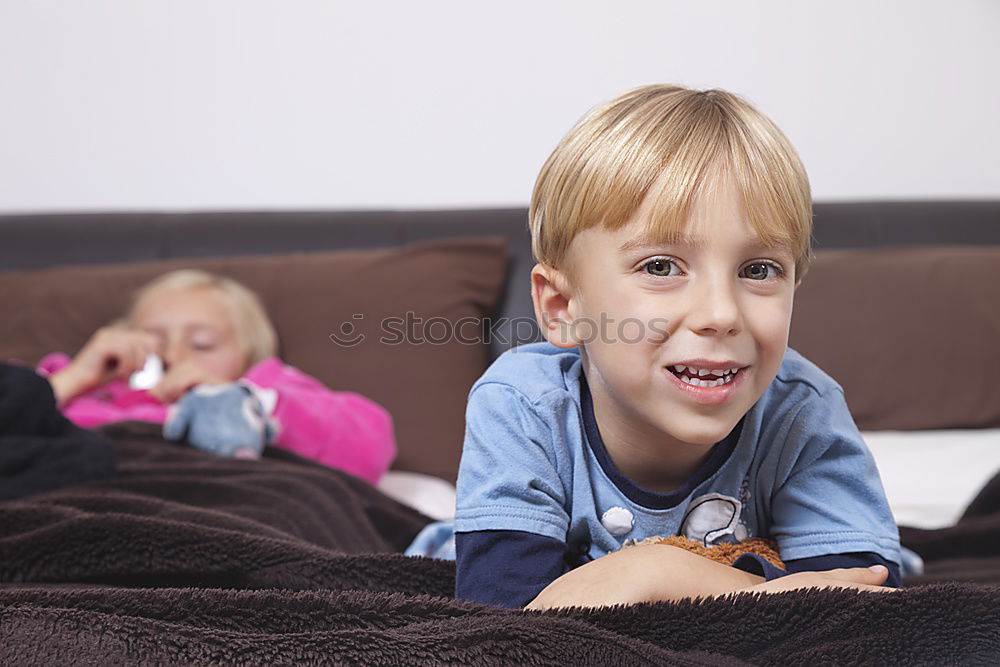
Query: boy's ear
[[550, 293]]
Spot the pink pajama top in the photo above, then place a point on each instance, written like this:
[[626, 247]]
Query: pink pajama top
[[340, 429]]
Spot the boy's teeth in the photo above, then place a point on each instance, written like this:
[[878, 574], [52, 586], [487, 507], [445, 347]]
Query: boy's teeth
[[695, 382], [724, 376], [702, 372]]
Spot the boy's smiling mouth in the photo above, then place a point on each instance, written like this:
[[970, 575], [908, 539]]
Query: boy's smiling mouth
[[711, 374], [707, 381]]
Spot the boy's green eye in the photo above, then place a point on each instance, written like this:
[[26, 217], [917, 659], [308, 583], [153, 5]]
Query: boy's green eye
[[659, 267]]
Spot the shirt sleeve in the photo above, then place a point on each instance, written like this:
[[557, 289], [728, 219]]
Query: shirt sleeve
[[510, 518], [508, 568], [509, 477], [831, 500], [52, 363], [340, 429]]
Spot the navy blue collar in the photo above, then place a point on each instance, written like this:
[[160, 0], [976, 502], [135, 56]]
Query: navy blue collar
[[721, 452]]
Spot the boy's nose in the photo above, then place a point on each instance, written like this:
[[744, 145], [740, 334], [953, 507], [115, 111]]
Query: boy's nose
[[714, 311]]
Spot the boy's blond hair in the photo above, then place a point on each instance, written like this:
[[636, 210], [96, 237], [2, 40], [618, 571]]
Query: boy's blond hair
[[253, 327], [680, 141]]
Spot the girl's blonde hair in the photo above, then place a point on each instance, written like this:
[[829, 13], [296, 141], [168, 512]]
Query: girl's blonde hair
[[678, 142], [253, 327]]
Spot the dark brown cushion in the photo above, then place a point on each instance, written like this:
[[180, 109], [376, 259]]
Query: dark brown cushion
[[913, 334], [423, 382]]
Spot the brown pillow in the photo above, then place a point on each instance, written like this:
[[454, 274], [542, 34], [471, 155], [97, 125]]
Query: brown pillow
[[912, 334], [423, 383]]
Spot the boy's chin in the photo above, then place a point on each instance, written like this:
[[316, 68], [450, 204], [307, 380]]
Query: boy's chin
[[703, 434]]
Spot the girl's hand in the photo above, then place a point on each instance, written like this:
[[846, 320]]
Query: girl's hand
[[858, 578], [110, 353], [179, 378]]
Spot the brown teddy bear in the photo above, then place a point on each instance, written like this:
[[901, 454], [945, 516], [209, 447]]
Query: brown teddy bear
[[722, 553]]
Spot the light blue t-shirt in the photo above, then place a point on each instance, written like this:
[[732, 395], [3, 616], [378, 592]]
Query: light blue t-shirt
[[795, 469]]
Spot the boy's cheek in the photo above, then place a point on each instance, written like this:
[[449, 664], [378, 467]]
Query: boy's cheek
[[769, 322], [652, 325]]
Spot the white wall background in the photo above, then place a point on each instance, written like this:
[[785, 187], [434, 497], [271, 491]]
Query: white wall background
[[235, 104]]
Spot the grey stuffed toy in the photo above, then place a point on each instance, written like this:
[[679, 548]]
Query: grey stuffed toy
[[227, 419]]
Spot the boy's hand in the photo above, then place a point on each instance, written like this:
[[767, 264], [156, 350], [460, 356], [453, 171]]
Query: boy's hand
[[642, 573], [659, 572], [181, 377], [111, 352], [858, 578]]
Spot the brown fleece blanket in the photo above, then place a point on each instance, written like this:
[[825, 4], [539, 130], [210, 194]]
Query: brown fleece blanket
[[969, 550], [185, 558]]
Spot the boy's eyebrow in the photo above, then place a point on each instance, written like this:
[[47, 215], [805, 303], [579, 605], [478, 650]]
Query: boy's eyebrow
[[690, 241], [649, 241]]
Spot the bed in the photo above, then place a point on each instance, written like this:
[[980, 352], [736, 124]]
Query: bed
[[180, 557]]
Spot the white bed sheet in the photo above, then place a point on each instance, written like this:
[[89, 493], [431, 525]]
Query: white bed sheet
[[425, 493], [930, 477]]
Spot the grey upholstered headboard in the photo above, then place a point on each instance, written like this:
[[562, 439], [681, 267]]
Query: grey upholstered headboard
[[41, 240]]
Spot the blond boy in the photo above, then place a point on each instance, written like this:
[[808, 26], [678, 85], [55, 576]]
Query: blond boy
[[671, 228]]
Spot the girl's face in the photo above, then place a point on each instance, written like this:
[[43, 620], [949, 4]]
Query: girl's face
[[193, 325]]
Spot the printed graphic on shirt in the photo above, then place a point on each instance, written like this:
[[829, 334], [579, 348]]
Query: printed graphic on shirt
[[618, 521], [745, 495], [714, 518]]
